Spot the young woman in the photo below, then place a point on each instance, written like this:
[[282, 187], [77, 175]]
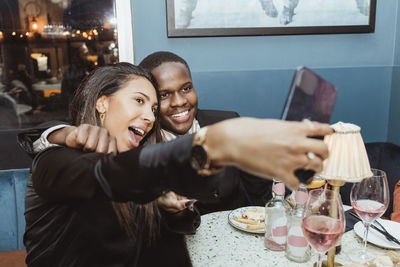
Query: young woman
[[70, 220], [83, 209], [65, 215]]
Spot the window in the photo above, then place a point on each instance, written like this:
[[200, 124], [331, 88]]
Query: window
[[46, 48]]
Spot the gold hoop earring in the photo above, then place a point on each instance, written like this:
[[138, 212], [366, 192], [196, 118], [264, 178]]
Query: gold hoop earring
[[102, 116]]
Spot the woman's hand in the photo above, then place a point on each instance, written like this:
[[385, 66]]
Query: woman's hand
[[86, 137], [172, 202], [268, 148]]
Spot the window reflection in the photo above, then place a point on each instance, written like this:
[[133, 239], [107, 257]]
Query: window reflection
[[46, 48]]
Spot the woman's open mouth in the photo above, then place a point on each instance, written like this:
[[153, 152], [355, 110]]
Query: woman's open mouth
[[136, 135]]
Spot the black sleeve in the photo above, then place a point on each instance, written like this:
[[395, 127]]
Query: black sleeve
[[258, 190], [141, 174], [27, 137], [184, 222]]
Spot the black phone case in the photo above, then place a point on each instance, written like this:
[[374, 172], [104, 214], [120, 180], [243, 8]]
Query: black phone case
[[310, 97]]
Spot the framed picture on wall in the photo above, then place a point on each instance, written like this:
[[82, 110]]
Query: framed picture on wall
[[196, 18]]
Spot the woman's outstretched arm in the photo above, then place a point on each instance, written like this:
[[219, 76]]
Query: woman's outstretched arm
[[267, 148]]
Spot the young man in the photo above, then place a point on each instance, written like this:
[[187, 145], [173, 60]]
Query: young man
[[179, 115]]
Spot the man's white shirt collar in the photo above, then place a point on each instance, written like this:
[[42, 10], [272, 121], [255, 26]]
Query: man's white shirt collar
[[168, 136]]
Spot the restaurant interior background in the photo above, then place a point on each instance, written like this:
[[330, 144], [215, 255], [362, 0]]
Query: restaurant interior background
[[248, 74], [46, 48]]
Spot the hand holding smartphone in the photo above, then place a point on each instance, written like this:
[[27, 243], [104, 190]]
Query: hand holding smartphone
[[310, 97]]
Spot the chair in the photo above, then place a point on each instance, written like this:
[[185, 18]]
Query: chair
[[382, 156], [12, 223], [8, 112]]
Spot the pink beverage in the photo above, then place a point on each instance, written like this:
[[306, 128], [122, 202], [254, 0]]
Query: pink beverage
[[276, 241], [368, 210], [322, 232]]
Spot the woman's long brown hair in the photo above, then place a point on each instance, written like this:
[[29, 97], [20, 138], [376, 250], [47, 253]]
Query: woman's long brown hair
[[106, 81]]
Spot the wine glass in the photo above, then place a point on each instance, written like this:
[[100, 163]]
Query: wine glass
[[323, 220], [370, 199]]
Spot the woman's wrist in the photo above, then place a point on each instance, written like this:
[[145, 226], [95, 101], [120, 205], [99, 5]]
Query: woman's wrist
[[200, 155], [219, 152]]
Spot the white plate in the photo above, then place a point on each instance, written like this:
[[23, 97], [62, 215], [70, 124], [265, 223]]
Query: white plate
[[377, 238], [242, 226]]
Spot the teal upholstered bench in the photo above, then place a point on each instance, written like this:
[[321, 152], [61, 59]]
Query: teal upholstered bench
[[12, 221]]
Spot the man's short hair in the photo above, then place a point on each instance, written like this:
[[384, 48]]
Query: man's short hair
[[155, 59]]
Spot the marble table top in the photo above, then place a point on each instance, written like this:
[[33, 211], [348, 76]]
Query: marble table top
[[217, 243]]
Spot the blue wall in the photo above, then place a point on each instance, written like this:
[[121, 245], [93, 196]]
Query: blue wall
[[394, 122], [397, 34], [12, 221], [251, 75]]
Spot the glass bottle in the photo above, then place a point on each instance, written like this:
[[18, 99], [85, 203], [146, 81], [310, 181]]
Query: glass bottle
[[297, 247], [275, 218]]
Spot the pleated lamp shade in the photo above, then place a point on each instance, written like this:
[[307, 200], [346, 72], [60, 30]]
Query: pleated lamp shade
[[348, 160]]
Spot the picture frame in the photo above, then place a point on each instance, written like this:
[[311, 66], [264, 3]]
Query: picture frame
[[210, 18]]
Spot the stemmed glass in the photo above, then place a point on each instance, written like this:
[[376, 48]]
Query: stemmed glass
[[323, 220], [370, 199]]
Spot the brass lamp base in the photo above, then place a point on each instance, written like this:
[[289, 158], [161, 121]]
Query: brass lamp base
[[336, 184], [325, 264]]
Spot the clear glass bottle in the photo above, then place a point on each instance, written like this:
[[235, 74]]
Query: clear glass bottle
[[297, 247], [276, 219]]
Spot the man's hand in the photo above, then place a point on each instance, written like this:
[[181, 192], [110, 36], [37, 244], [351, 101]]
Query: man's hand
[[85, 136], [172, 202]]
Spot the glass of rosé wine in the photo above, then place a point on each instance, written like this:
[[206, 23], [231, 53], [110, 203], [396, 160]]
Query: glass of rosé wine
[[370, 199], [323, 220]]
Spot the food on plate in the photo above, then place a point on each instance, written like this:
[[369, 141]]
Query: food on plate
[[257, 215], [249, 219], [254, 218], [246, 221], [255, 227]]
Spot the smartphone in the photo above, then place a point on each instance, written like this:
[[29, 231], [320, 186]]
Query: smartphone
[[310, 97]]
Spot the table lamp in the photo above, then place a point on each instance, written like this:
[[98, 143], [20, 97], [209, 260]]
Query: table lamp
[[347, 161]]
